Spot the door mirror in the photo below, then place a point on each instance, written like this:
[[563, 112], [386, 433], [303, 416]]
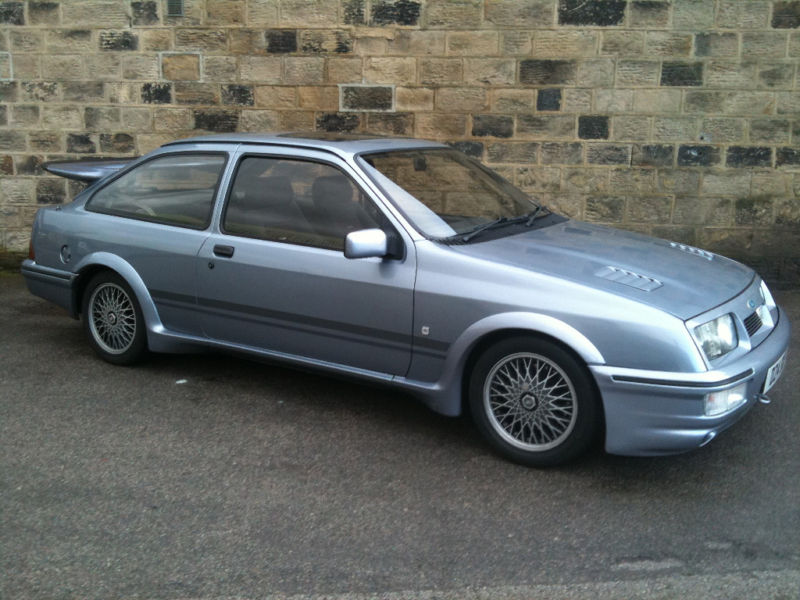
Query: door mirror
[[366, 243]]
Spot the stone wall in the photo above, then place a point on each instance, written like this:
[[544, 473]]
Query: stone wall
[[678, 118]]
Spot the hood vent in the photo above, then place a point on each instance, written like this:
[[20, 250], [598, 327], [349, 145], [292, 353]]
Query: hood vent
[[692, 250], [629, 278]]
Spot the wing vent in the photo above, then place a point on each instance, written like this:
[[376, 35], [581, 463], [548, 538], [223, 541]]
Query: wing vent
[[752, 323], [692, 250], [629, 278]]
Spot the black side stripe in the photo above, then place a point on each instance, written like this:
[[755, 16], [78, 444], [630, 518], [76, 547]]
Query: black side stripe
[[302, 323]]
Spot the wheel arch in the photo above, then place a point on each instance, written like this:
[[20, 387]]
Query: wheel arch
[[105, 261], [482, 334]]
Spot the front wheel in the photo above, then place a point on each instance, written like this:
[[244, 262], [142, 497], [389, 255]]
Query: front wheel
[[113, 320], [533, 401]]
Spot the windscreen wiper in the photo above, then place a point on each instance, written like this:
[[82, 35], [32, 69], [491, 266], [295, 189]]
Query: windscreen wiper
[[535, 214], [481, 228], [529, 218]]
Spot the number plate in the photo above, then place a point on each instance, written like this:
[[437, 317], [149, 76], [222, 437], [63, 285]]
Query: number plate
[[774, 373]]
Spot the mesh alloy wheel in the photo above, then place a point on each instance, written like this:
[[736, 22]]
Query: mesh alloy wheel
[[113, 320], [534, 400], [530, 401]]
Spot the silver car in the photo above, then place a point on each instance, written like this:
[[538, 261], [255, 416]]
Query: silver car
[[405, 262]]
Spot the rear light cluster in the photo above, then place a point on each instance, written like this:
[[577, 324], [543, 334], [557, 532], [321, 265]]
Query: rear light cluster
[[31, 253]]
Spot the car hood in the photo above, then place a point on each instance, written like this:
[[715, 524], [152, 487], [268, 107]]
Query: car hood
[[681, 280]]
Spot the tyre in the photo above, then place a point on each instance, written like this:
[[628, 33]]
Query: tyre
[[534, 402], [113, 320]]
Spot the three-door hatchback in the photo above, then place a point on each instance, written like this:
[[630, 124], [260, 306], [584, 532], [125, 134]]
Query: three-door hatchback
[[405, 262]]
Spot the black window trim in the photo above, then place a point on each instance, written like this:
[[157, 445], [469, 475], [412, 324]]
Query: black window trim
[[148, 219], [398, 254]]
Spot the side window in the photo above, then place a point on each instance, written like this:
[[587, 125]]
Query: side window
[[176, 190], [297, 202]]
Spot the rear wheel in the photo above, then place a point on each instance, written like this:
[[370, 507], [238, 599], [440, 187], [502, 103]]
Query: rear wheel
[[113, 320], [533, 401]]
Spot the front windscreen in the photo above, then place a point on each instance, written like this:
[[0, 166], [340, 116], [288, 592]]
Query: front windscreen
[[444, 192]]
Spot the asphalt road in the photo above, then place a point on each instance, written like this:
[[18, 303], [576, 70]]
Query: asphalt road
[[213, 477]]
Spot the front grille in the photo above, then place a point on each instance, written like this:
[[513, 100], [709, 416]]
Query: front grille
[[752, 324]]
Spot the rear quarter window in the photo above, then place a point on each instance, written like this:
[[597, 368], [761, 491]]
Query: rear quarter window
[[175, 190]]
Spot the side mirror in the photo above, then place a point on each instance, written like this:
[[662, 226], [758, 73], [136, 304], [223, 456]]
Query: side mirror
[[366, 243]]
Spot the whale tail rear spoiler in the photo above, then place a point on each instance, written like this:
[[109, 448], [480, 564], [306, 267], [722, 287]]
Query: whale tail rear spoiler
[[88, 170]]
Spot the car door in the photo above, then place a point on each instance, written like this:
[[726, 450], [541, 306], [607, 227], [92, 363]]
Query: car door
[[156, 217], [274, 275]]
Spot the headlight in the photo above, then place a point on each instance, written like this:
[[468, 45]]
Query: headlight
[[766, 295], [763, 311], [717, 337]]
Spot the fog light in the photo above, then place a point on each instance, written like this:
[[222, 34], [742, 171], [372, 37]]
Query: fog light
[[717, 403]]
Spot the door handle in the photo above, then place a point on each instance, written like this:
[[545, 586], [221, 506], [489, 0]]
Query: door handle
[[224, 251]]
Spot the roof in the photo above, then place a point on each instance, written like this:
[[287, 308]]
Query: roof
[[333, 142]]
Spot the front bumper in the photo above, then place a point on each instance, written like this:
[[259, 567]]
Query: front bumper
[[650, 413]]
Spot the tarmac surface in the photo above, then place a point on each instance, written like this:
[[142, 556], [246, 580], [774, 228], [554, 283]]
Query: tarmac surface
[[211, 477]]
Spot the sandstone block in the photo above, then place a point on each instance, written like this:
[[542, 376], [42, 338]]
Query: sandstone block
[[438, 126], [414, 99], [453, 14], [101, 118], [141, 66], [489, 71], [68, 41], [512, 100], [391, 123], [343, 70], [721, 129], [473, 43], [225, 12], [605, 209], [634, 73], [219, 68], [440, 70], [629, 128], [259, 69], [343, 122], [262, 12], [516, 15], [600, 14], [217, 121], [308, 13], [764, 44], [275, 97], [649, 13], [492, 125], [303, 70], [173, 119], [367, 98], [399, 71], [734, 14], [659, 101], [546, 127], [192, 92], [461, 99], [649, 209], [622, 43], [209, 40], [692, 15], [568, 43]]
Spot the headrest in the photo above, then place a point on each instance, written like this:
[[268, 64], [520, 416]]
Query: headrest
[[254, 193], [277, 190], [331, 190]]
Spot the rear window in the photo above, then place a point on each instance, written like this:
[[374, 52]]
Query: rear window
[[175, 190]]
